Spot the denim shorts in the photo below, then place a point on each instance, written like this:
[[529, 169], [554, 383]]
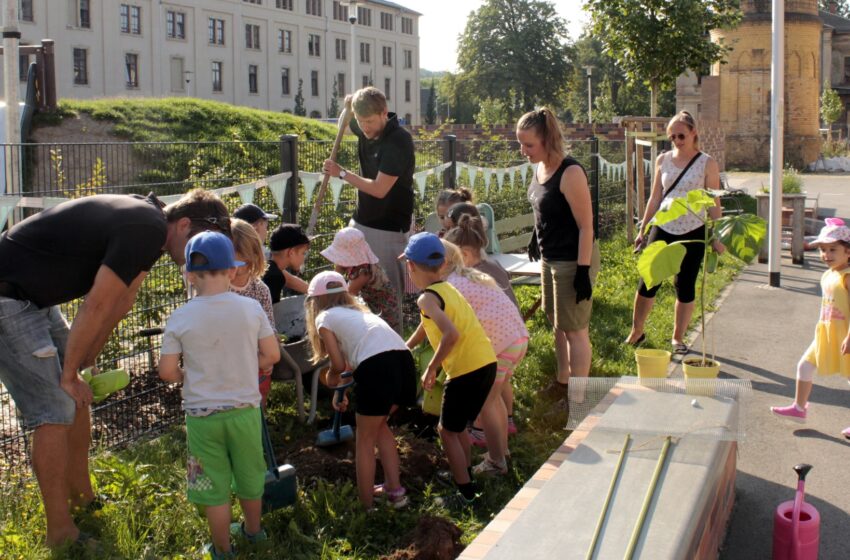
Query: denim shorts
[[32, 347]]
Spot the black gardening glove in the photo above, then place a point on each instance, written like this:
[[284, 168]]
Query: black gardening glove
[[533, 247], [581, 283]]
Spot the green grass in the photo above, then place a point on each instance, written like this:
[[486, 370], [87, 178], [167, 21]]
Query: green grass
[[187, 119], [149, 516]]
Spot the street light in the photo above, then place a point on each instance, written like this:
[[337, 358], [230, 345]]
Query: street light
[[352, 19], [589, 105]]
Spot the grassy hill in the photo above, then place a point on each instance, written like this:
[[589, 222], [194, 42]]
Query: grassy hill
[[186, 119]]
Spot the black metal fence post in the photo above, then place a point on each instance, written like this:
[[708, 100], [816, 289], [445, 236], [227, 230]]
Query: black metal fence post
[[450, 156], [594, 190], [289, 162]]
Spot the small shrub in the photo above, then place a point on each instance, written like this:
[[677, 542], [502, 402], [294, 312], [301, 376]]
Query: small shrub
[[792, 182]]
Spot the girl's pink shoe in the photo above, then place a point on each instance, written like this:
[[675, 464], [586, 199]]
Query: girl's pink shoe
[[791, 412], [846, 433]]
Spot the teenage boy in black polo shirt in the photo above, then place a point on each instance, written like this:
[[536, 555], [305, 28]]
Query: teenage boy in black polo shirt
[[384, 210]]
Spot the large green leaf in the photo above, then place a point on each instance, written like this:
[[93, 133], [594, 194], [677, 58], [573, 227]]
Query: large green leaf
[[660, 261], [699, 200], [742, 235], [671, 209]]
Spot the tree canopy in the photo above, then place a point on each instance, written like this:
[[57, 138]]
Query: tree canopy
[[841, 7], [654, 41], [515, 51]]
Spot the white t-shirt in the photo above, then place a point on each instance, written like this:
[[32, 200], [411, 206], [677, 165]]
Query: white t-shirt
[[218, 337], [360, 335]]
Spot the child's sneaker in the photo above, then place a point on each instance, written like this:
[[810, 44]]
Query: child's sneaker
[[455, 501], [511, 426], [396, 498], [846, 433], [477, 437], [238, 530], [490, 467], [791, 412], [210, 551]]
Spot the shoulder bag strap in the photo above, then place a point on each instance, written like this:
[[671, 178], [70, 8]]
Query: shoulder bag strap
[[682, 174]]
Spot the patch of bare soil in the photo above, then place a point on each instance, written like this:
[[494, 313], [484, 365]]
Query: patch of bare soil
[[433, 538]]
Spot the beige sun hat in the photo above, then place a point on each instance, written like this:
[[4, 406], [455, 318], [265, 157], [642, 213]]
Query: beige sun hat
[[350, 248]]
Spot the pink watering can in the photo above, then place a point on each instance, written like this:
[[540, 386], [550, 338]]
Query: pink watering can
[[796, 525]]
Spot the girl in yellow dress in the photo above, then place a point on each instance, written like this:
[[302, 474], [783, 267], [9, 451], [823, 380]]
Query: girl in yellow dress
[[829, 352]]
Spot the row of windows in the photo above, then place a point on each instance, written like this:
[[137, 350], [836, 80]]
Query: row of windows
[[131, 16], [131, 77]]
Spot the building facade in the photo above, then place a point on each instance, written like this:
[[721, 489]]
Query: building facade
[[245, 52], [737, 93]]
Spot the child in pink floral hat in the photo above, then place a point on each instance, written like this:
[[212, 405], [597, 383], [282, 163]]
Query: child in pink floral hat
[[353, 258], [829, 352]]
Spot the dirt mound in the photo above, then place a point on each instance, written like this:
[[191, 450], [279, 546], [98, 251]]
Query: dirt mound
[[332, 463], [433, 538]]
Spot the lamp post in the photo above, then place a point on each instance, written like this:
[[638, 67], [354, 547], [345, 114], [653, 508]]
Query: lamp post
[[352, 19], [589, 70]]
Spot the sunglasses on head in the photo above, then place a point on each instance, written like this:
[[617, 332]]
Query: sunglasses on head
[[678, 137]]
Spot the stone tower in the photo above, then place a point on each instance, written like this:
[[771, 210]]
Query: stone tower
[[743, 84]]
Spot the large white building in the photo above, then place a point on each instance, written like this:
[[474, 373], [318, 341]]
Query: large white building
[[245, 52]]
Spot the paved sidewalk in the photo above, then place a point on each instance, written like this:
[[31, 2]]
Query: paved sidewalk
[[760, 334]]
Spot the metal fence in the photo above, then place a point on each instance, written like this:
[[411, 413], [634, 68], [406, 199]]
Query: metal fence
[[76, 170]]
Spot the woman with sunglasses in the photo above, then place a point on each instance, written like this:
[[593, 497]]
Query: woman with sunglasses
[[566, 245], [684, 168]]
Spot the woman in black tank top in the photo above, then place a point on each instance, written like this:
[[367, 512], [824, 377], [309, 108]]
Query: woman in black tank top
[[563, 231]]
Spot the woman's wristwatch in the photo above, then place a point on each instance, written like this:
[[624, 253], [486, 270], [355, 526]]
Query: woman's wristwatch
[[342, 173]]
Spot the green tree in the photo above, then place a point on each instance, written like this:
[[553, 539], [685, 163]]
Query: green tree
[[830, 108], [492, 112], [333, 109], [431, 109], [300, 109], [655, 41], [841, 7], [515, 45], [456, 100]]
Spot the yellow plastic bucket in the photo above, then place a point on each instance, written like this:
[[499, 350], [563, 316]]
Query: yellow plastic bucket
[[700, 379], [652, 362]]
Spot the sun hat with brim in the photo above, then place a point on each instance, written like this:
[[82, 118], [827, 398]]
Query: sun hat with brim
[[833, 232], [251, 213], [425, 248], [350, 248], [327, 282], [215, 247]]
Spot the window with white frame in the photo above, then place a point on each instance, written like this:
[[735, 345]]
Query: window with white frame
[[314, 45], [387, 86], [366, 81], [314, 8], [81, 67], [387, 55], [407, 25], [364, 17], [340, 85], [284, 82], [252, 36], [253, 70], [341, 49], [131, 19], [175, 25], [386, 21], [284, 40], [340, 11], [23, 66], [82, 14], [258, 2], [217, 67], [216, 31], [408, 58], [25, 12], [407, 90], [365, 54], [314, 83], [131, 70], [283, 4]]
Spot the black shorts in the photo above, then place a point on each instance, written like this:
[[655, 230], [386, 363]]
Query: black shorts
[[464, 396], [383, 380]]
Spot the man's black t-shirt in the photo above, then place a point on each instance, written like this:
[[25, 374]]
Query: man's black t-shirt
[[392, 154], [53, 257]]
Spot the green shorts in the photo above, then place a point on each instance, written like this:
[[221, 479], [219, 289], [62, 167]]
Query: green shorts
[[225, 448], [559, 296]]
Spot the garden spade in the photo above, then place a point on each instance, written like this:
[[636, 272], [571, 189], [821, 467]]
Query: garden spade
[[344, 119], [337, 434], [280, 483]]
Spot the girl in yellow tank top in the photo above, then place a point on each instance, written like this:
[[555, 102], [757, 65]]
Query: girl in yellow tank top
[[829, 352]]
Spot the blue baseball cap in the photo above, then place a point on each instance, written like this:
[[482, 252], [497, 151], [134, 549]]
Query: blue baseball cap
[[425, 248], [216, 247]]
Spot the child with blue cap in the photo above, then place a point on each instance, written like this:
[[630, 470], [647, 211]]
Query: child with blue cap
[[224, 339]]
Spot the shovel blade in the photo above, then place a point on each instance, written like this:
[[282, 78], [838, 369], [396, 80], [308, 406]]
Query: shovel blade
[[280, 488]]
